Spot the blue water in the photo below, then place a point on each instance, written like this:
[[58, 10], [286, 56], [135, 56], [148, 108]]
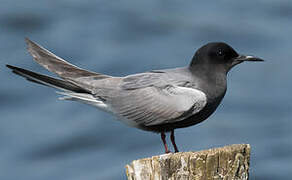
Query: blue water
[[44, 138]]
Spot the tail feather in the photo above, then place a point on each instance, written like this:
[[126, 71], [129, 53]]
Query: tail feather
[[46, 80], [70, 91], [77, 84], [84, 98]]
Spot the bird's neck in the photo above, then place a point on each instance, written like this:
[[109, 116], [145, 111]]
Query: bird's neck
[[211, 80]]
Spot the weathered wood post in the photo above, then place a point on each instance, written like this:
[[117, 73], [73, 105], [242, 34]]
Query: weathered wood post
[[226, 163]]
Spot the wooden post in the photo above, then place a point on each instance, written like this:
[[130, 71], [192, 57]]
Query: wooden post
[[226, 163]]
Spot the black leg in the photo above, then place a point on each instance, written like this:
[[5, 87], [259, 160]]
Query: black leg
[[164, 142], [173, 141]]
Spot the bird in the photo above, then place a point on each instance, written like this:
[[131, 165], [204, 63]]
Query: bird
[[159, 101]]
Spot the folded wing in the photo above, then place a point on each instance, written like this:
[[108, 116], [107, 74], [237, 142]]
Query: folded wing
[[155, 105], [151, 98]]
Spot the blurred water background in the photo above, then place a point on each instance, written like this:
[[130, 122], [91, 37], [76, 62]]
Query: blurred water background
[[44, 138]]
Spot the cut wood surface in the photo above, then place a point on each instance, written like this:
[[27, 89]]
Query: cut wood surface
[[229, 162]]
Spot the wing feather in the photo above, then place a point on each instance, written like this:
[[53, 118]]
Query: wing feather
[[153, 106], [62, 68]]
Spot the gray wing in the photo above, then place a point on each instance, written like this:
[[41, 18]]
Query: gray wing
[[158, 78], [62, 68], [149, 104]]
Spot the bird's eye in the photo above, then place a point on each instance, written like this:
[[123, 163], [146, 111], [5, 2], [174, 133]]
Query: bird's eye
[[220, 53]]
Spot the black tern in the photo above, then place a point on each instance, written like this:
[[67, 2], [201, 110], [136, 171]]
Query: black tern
[[158, 100]]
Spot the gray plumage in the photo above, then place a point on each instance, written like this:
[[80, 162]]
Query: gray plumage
[[158, 100]]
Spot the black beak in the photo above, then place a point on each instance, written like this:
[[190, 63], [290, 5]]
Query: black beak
[[242, 58]]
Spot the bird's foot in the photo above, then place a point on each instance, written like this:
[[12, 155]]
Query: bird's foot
[[173, 141]]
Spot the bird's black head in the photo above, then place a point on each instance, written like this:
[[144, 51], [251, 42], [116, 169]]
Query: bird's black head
[[221, 55]]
